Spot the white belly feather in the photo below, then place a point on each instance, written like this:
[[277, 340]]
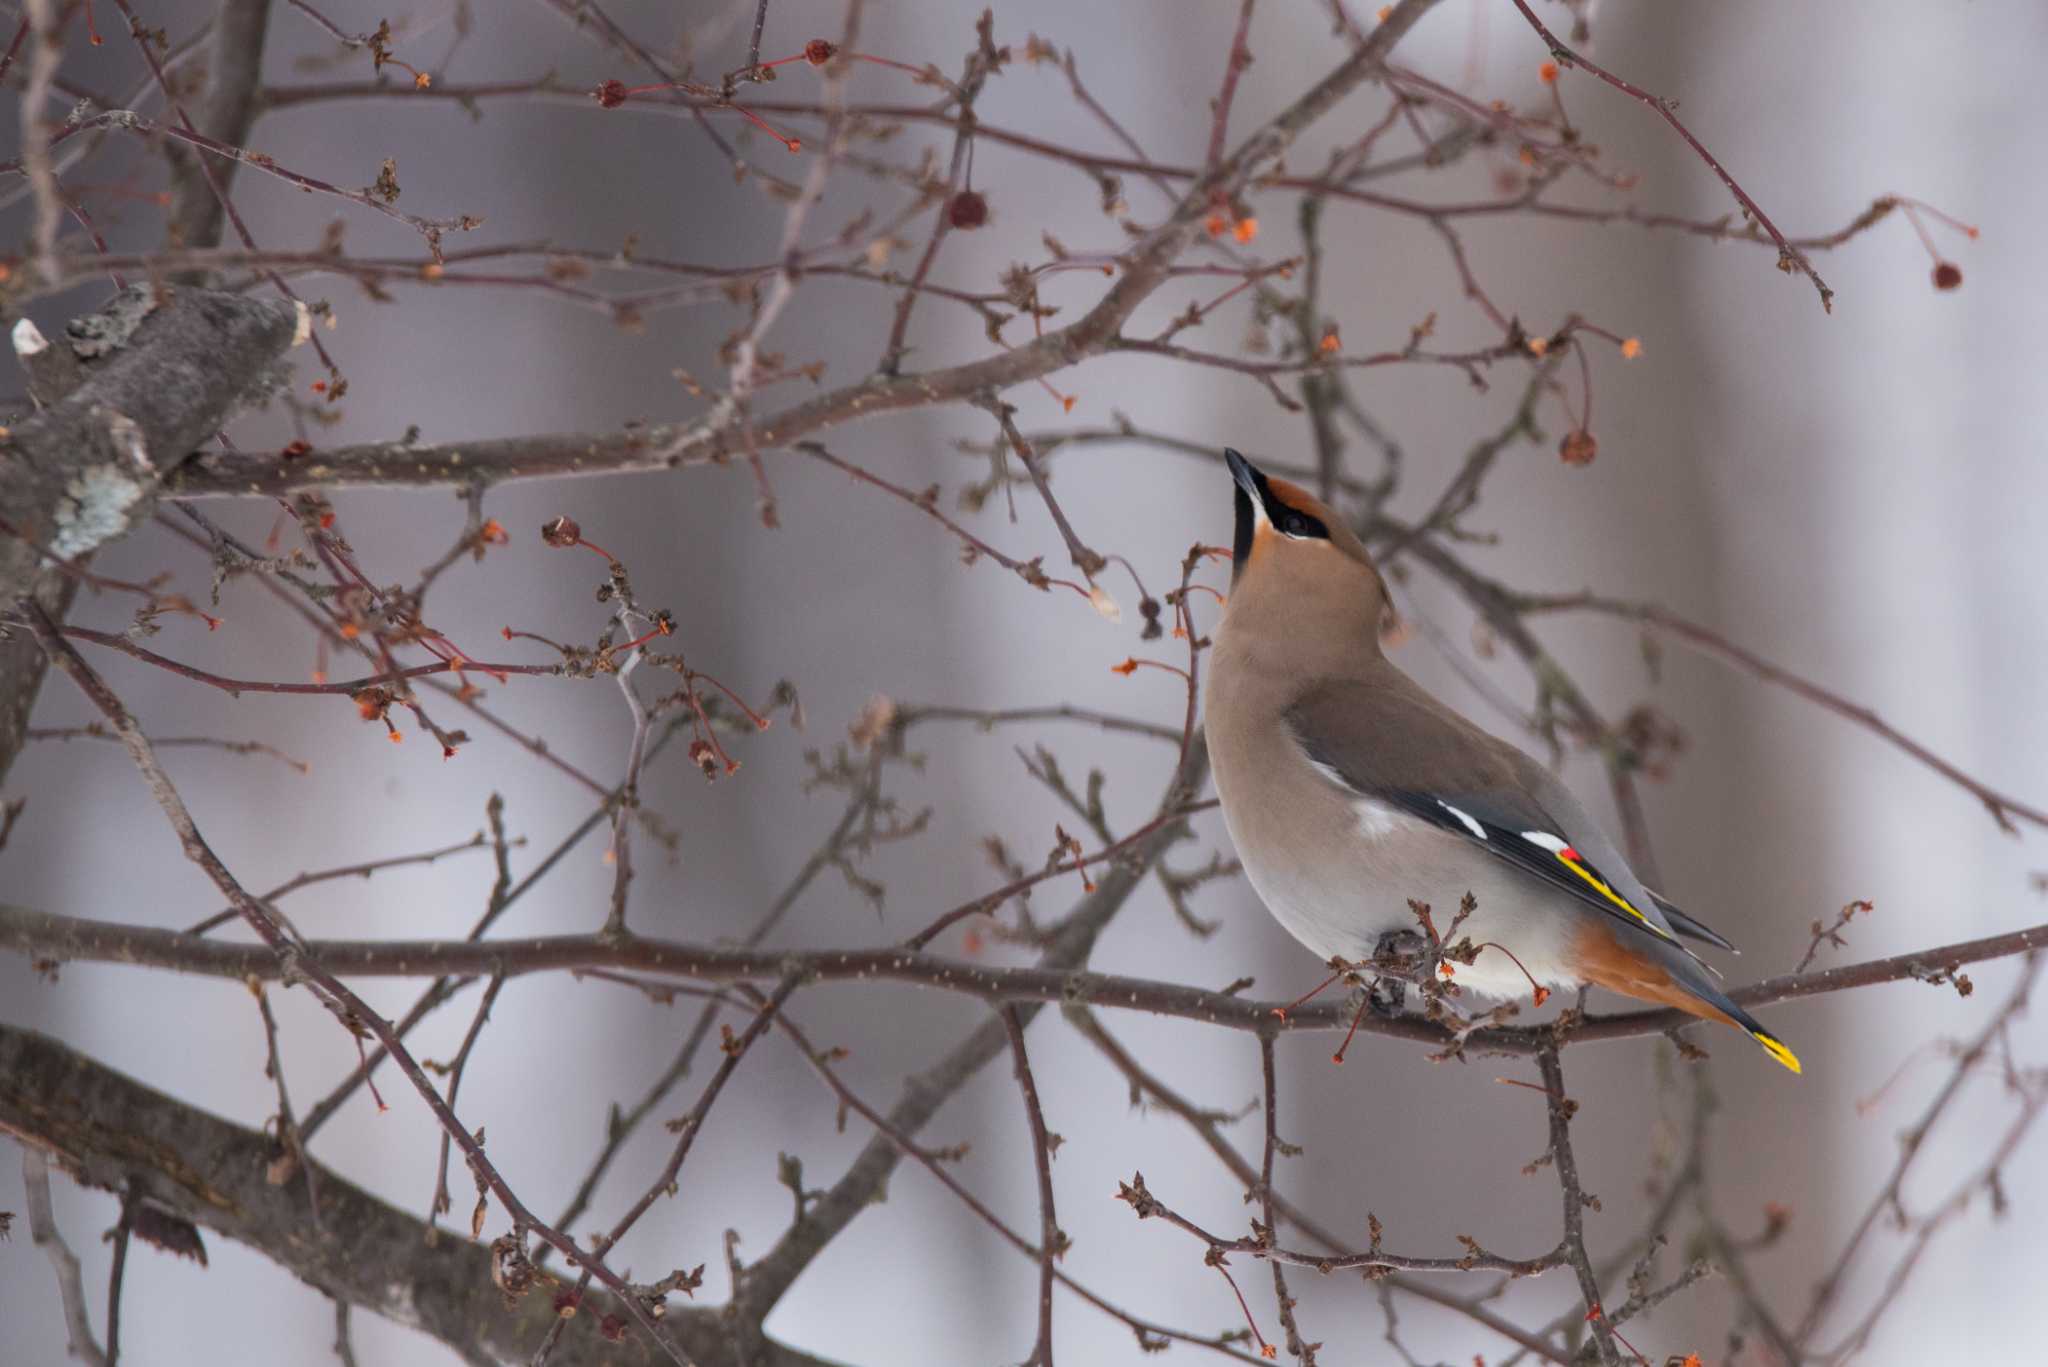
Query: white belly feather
[[1338, 871]]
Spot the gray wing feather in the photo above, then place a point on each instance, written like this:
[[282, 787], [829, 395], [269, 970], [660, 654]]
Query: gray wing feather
[[1388, 739], [1691, 927]]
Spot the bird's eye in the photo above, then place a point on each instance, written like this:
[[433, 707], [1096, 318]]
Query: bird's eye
[[1294, 524]]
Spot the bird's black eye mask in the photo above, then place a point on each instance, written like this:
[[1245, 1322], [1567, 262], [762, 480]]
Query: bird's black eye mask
[[1287, 519], [1295, 523]]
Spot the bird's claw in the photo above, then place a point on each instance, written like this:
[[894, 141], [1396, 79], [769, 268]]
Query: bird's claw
[[1400, 949]]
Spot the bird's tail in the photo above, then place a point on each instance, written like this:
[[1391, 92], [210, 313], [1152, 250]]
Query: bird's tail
[[1721, 1006], [1752, 1027], [1657, 972]]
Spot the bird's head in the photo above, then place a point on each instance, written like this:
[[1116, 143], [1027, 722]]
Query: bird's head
[[1293, 555]]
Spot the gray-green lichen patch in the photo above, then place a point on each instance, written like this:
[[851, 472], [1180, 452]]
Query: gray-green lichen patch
[[94, 509], [96, 334]]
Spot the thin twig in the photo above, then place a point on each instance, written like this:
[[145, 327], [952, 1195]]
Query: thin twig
[[344, 1342], [439, 1205], [1087, 560], [629, 791], [981, 63], [622, 1125], [1889, 1195], [291, 1144], [747, 350], [290, 958], [42, 1228], [1575, 1200], [119, 1236], [1207, 1126], [233, 747], [1707, 641], [1240, 57], [1790, 258], [1303, 1351], [363, 870], [927, 503], [1051, 1242], [892, 1131]]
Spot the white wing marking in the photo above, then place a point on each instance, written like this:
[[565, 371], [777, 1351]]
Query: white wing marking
[[1478, 831]]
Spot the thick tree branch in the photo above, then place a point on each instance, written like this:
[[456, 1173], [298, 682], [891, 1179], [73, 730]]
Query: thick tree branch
[[234, 68], [124, 396], [84, 471], [110, 1131], [66, 939]]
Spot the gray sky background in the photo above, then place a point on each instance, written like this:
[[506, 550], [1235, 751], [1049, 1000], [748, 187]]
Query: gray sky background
[[1858, 496]]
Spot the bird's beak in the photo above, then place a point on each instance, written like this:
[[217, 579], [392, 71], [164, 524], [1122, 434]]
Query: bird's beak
[[1247, 478]]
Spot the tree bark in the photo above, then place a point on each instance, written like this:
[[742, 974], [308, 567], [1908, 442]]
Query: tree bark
[[234, 65], [112, 1132], [149, 378]]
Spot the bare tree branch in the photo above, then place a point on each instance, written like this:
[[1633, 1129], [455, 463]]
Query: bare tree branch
[[234, 71], [201, 1170], [73, 939], [86, 470], [42, 1227]]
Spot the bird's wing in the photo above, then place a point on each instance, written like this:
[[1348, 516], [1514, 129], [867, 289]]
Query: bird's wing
[[1690, 927], [1386, 739]]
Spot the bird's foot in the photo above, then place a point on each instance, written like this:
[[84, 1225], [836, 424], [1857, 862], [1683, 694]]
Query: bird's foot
[[1403, 953], [1400, 950]]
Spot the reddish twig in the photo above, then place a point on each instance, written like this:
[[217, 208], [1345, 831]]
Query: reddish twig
[[1240, 57], [1790, 258]]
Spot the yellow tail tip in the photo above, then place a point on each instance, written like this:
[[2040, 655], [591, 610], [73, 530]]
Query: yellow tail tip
[[1777, 1050]]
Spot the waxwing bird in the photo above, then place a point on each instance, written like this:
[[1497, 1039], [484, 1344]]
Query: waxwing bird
[[1349, 791]]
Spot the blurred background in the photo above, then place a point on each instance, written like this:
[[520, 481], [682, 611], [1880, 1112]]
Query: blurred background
[[1859, 497]]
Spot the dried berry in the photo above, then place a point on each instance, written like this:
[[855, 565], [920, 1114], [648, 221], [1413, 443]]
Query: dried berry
[[511, 1269], [562, 533], [611, 94], [967, 210], [1948, 275], [1578, 448], [818, 52]]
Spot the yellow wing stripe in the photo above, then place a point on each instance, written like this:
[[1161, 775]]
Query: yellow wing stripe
[[1611, 895]]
